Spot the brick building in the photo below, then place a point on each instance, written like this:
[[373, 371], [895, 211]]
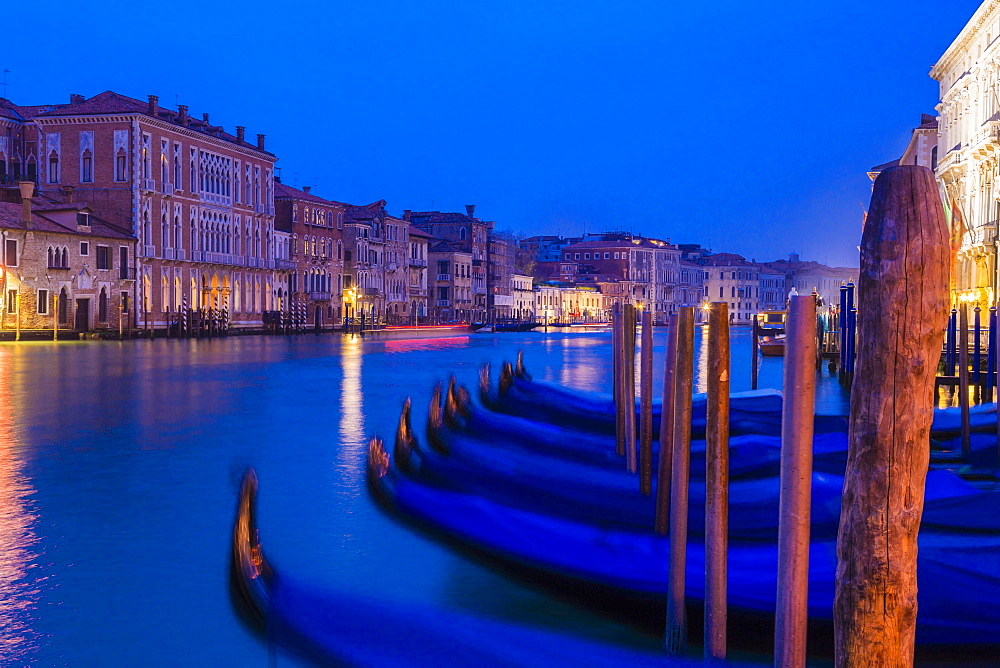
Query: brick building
[[198, 199], [316, 253], [453, 297], [60, 262], [468, 234], [419, 244]]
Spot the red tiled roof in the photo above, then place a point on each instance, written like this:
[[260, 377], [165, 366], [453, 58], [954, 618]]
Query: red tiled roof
[[417, 232], [726, 260], [439, 217], [283, 191], [11, 217]]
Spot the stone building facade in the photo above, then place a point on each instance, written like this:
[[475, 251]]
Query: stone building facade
[[199, 199], [418, 291], [452, 296], [61, 267]]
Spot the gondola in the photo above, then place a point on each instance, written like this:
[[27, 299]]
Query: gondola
[[755, 412], [599, 495], [959, 573], [330, 628], [751, 454], [608, 495]]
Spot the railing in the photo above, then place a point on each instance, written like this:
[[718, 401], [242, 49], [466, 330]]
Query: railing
[[126, 273], [149, 251], [284, 264], [443, 302], [197, 256], [319, 296], [444, 277], [168, 189], [418, 262], [418, 292], [168, 253], [149, 185], [368, 292]]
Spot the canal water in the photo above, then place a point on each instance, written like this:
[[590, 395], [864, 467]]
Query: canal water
[[119, 466]]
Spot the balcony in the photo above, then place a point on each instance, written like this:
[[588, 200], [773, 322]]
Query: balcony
[[168, 189], [443, 302], [284, 264], [149, 251], [417, 262], [126, 273], [180, 254], [258, 207], [168, 254], [444, 277], [149, 185], [367, 292], [418, 292], [319, 296]]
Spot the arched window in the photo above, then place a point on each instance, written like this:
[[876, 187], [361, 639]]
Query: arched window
[[461, 234], [65, 259], [87, 167], [51, 263], [53, 167], [164, 231], [102, 306]]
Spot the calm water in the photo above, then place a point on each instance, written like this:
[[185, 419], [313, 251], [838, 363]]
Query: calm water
[[119, 465]]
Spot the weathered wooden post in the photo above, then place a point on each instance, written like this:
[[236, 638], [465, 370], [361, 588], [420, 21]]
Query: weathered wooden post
[[55, 316], [799, 386], [991, 354], [646, 407], [663, 472], [754, 347], [963, 376], [904, 279], [977, 355], [618, 336], [842, 323], [680, 470], [717, 482], [629, 341], [17, 313]]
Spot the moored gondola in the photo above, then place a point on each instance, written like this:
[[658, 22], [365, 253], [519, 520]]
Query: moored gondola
[[334, 628]]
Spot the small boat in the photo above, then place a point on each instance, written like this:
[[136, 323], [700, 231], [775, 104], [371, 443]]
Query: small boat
[[334, 628], [959, 573], [772, 346]]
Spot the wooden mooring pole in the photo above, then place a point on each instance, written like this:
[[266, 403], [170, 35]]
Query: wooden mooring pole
[[646, 407], [629, 341], [963, 377], [663, 472], [676, 640], [905, 259], [799, 388], [717, 482], [618, 336]]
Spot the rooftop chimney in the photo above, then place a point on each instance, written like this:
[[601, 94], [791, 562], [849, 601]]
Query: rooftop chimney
[[182, 114], [260, 142], [240, 133], [68, 193], [154, 105], [406, 214], [27, 189], [75, 99], [306, 189], [204, 117], [470, 209]]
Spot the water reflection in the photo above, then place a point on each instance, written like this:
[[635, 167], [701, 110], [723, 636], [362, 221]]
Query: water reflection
[[18, 588], [352, 415], [701, 363]]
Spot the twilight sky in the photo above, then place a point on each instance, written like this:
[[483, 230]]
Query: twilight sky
[[746, 127]]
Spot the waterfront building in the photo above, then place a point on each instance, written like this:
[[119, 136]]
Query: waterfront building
[[523, 295], [565, 303], [773, 290], [545, 248], [62, 266], [453, 296], [315, 257], [198, 199], [364, 258], [690, 289], [397, 270], [734, 279], [499, 274], [968, 161], [646, 268], [807, 277], [419, 242], [468, 234]]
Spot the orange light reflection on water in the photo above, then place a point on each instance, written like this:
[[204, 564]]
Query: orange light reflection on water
[[18, 591]]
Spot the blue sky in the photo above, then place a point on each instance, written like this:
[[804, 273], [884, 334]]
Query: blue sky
[[746, 127]]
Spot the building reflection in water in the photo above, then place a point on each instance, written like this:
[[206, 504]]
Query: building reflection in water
[[18, 584]]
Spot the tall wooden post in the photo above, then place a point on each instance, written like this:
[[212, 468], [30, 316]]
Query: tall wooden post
[[17, 314], [646, 407], [797, 411], [963, 377], [904, 301], [663, 472], [717, 482], [680, 471], [754, 347], [618, 336], [629, 341], [55, 316]]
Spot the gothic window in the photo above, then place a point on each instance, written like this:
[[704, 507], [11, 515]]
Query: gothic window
[[102, 306], [193, 177], [164, 230], [147, 158], [53, 167], [237, 188], [177, 166], [178, 232], [164, 162]]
